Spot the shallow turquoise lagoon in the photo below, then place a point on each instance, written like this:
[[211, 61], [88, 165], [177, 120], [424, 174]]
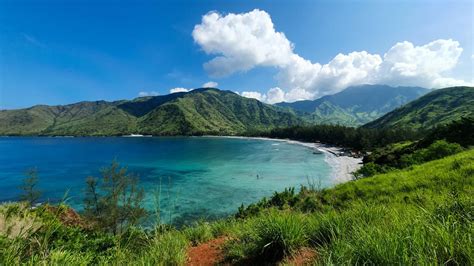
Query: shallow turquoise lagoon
[[193, 177]]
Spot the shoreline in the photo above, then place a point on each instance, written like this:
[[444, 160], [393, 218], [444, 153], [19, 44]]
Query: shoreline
[[342, 165]]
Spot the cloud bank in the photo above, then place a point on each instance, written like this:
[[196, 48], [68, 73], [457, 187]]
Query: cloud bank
[[148, 93], [210, 84], [175, 90], [241, 42]]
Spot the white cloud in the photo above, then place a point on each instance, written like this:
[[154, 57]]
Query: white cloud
[[275, 95], [175, 90], [406, 64], [241, 41], [244, 41], [210, 84], [254, 95], [147, 93]]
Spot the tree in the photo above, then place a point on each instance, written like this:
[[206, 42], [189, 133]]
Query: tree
[[29, 187], [113, 202]]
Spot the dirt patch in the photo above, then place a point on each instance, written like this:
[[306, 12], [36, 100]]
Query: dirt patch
[[305, 256], [207, 254], [68, 216]]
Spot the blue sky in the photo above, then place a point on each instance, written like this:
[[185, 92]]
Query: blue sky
[[58, 52]]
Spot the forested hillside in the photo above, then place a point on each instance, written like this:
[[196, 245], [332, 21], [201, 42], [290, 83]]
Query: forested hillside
[[436, 108], [201, 111], [355, 105]]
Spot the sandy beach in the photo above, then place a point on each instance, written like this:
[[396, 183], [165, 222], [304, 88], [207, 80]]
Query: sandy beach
[[342, 165]]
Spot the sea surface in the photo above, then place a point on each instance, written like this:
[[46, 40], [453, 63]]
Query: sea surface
[[185, 178]]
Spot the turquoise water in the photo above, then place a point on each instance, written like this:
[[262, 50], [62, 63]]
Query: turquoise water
[[194, 177]]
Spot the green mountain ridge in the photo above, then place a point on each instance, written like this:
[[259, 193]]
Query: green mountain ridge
[[355, 105], [433, 109], [201, 111]]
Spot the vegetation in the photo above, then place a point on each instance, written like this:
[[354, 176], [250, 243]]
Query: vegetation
[[420, 215], [31, 194], [361, 139], [356, 105], [440, 142], [114, 204], [201, 111], [414, 205], [439, 107]]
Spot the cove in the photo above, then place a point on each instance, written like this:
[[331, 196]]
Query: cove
[[185, 178]]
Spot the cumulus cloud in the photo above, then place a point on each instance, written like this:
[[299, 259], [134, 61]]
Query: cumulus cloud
[[254, 95], [244, 41], [241, 41], [175, 90], [147, 93], [210, 84]]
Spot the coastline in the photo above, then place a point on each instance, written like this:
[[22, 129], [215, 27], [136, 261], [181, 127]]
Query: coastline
[[342, 165]]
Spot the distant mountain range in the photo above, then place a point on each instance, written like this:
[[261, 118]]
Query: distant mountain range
[[356, 105], [435, 108], [217, 112], [201, 111]]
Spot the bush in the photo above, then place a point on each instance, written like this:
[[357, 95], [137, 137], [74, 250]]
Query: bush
[[166, 249], [114, 202], [200, 232], [439, 149], [274, 234], [371, 169]]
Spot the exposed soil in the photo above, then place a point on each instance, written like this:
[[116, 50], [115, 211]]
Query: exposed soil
[[207, 254], [304, 256], [68, 217]]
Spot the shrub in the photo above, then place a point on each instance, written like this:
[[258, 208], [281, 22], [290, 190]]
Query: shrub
[[166, 249], [198, 233], [114, 203], [439, 149], [29, 187]]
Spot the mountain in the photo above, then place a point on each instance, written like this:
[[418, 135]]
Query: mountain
[[200, 111], [435, 108], [355, 105]]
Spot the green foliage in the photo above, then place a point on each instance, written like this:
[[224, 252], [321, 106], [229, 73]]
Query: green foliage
[[437, 150], [199, 233], [168, 248], [349, 137], [29, 187], [272, 236], [114, 204], [402, 155], [437, 108], [422, 215], [201, 111], [459, 131], [416, 216], [356, 105], [370, 169]]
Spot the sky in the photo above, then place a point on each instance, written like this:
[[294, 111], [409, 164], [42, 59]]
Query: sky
[[60, 52]]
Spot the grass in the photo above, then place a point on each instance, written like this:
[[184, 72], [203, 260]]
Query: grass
[[420, 215]]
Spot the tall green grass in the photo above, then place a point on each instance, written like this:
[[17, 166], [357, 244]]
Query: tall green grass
[[418, 216], [423, 215]]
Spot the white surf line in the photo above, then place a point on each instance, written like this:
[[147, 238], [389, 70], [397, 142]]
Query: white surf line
[[342, 165]]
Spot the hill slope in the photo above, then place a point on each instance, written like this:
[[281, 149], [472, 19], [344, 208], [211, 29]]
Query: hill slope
[[201, 111], [356, 105], [416, 216], [436, 108]]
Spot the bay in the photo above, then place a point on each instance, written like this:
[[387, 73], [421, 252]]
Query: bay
[[185, 178]]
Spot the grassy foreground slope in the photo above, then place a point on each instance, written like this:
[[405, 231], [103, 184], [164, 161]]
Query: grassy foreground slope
[[420, 215], [201, 111], [436, 108]]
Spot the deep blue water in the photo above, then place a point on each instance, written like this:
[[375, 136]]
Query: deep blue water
[[194, 177]]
